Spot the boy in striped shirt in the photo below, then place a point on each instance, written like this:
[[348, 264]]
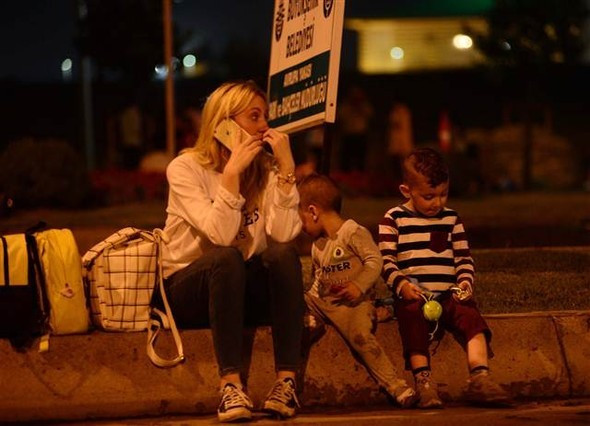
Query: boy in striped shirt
[[426, 253]]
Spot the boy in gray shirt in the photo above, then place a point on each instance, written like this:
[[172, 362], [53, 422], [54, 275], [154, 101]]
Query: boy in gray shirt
[[346, 263]]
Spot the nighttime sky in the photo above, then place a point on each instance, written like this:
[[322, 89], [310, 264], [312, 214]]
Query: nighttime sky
[[37, 35]]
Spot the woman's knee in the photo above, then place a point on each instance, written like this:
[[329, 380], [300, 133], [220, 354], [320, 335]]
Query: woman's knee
[[227, 257], [227, 268], [280, 253]]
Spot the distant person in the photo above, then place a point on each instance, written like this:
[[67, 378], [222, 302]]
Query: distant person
[[232, 212], [187, 127], [426, 254], [346, 265], [400, 140], [354, 117], [131, 136]]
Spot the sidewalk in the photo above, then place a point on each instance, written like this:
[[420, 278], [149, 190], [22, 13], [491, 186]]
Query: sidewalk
[[107, 375]]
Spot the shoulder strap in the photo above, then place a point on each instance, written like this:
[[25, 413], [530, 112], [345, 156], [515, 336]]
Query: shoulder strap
[[115, 239], [164, 319], [41, 290]]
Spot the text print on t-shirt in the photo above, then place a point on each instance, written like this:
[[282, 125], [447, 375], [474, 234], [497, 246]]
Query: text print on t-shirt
[[249, 218]]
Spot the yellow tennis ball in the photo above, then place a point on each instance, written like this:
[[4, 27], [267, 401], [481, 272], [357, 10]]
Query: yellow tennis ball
[[432, 310]]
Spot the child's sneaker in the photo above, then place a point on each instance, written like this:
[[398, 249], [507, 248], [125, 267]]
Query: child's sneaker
[[235, 404], [282, 399], [483, 390], [427, 393], [404, 395]]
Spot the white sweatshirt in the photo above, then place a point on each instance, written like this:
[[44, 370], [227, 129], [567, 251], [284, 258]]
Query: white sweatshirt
[[203, 214]]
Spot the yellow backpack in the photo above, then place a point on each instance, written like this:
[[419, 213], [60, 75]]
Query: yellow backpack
[[62, 269]]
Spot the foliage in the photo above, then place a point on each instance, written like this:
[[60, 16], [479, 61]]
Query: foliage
[[525, 38], [43, 173], [530, 33], [124, 37], [139, 186]]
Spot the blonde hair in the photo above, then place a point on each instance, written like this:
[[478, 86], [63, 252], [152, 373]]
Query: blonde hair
[[226, 101]]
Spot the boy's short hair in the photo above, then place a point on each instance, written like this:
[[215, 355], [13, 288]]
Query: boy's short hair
[[428, 163], [320, 190]]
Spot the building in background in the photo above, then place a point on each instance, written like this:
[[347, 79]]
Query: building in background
[[415, 44], [420, 35]]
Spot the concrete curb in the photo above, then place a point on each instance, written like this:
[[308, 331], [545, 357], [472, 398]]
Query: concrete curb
[[108, 375]]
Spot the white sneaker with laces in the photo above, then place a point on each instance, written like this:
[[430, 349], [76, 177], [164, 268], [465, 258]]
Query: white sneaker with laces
[[282, 399], [235, 404]]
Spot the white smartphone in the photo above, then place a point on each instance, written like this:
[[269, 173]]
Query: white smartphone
[[225, 131]]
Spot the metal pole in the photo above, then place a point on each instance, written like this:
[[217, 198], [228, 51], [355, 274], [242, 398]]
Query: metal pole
[[88, 113], [169, 87], [86, 79], [329, 132]]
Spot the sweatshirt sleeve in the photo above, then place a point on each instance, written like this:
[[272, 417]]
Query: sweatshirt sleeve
[[388, 238], [283, 223], [464, 265], [362, 244], [218, 218]]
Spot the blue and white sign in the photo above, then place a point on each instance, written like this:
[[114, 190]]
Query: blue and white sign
[[304, 63]]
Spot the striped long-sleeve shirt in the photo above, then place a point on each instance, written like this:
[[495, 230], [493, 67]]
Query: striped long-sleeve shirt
[[432, 250]]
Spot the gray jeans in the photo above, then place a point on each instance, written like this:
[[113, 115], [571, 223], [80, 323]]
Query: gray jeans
[[222, 291]]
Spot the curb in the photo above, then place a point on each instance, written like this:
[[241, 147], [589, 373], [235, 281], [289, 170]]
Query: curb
[[108, 375]]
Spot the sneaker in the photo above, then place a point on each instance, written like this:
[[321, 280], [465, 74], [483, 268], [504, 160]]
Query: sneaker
[[427, 393], [282, 400], [404, 395], [483, 390], [235, 404]]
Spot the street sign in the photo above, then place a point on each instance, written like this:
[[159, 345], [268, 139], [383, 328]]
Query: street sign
[[304, 63]]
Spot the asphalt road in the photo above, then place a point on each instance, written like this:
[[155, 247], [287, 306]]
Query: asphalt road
[[570, 412]]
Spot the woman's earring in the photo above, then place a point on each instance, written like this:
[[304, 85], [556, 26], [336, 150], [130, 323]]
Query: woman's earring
[[315, 218]]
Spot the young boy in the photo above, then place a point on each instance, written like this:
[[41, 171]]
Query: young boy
[[426, 253], [346, 263]]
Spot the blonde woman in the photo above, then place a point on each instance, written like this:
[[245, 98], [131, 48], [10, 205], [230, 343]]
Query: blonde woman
[[225, 206]]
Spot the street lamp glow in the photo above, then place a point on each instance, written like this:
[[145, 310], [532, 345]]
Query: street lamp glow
[[189, 61], [396, 53], [462, 42], [66, 65], [161, 71]]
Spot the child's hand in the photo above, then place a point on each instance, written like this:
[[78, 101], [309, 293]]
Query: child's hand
[[466, 292], [348, 291], [383, 313], [410, 291]]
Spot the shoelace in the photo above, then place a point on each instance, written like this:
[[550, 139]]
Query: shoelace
[[235, 396], [283, 391]]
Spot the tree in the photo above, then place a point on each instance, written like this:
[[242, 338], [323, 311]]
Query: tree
[[525, 40], [124, 38]]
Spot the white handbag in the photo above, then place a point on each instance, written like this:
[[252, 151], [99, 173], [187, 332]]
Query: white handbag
[[121, 273]]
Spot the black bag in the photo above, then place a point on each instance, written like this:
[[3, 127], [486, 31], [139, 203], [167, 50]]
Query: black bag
[[23, 303]]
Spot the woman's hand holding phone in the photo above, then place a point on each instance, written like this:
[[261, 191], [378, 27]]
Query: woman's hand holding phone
[[243, 153]]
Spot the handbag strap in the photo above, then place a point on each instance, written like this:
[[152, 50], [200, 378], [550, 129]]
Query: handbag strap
[[165, 319], [121, 236]]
